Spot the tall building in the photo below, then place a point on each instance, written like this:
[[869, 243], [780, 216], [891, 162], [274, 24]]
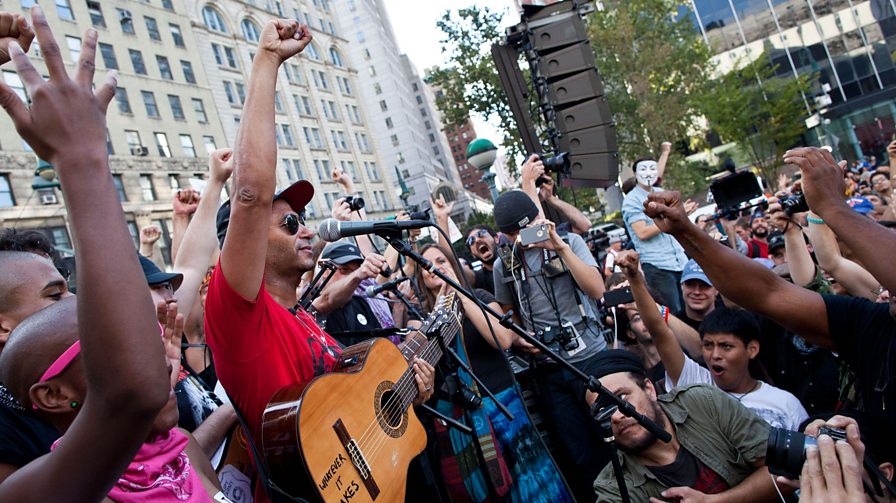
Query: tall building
[[402, 117], [161, 125], [321, 119], [459, 138], [850, 44]]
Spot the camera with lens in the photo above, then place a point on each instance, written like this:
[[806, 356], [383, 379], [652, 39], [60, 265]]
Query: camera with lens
[[795, 203], [564, 336], [415, 213], [554, 164], [355, 203], [785, 453]]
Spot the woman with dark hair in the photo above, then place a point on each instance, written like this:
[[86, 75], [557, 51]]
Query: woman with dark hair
[[503, 460]]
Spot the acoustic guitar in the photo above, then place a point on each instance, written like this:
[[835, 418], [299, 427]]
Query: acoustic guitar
[[349, 435]]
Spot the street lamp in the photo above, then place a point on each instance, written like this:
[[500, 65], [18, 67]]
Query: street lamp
[[44, 176], [481, 154]]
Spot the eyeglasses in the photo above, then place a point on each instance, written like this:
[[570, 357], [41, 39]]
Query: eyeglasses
[[292, 222], [481, 233], [61, 363]]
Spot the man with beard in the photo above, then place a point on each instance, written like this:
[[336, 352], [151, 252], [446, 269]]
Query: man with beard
[[482, 241], [757, 246], [717, 445]]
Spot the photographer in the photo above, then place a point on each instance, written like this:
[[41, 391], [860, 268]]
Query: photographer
[[549, 285]]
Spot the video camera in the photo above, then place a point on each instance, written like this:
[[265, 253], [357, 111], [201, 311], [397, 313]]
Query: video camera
[[734, 191]]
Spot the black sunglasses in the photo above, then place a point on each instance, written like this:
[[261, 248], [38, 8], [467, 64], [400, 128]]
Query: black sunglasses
[[292, 222], [481, 233]]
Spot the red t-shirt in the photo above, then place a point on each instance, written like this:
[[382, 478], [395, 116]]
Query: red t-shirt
[[754, 245], [259, 347]]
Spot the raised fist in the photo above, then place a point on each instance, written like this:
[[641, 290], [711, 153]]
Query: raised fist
[[283, 39], [150, 234], [14, 28], [185, 202]]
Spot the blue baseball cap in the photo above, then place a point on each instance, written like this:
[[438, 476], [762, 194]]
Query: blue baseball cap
[[861, 205], [692, 270]]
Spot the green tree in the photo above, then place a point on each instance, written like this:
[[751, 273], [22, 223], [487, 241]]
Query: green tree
[[653, 63], [655, 67], [763, 120]]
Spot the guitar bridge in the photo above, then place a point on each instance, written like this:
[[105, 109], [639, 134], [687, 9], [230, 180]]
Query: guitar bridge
[[357, 457]]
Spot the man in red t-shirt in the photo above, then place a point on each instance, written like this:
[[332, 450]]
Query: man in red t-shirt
[[259, 345], [757, 246]]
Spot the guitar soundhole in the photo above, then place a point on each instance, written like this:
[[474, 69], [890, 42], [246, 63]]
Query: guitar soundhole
[[391, 416]]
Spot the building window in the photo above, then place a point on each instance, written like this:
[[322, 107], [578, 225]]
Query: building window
[[133, 138], [372, 71], [109, 59], [64, 10], [394, 139], [74, 48], [287, 135], [241, 92], [153, 28], [164, 68], [335, 58], [96, 14], [228, 91], [167, 5], [311, 51], [213, 19], [137, 62], [149, 101], [250, 30], [389, 123], [186, 144], [422, 112], [303, 104], [312, 137], [7, 199], [199, 108], [126, 21], [176, 35], [187, 68], [15, 83], [146, 188], [378, 89], [278, 105], [119, 188], [177, 110], [209, 142], [383, 106], [174, 181], [419, 100], [121, 97], [162, 144]]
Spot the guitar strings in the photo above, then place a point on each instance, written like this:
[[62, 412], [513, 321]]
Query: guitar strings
[[389, 405], [393, 404]]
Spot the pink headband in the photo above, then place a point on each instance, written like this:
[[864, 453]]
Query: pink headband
[[61, 363]]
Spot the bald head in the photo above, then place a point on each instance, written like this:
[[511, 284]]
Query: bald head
[[35, 344]]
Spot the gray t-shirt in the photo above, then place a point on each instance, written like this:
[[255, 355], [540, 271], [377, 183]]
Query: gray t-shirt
[[538, 298]]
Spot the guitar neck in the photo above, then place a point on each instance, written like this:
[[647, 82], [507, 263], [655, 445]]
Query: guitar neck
[[424, 344]]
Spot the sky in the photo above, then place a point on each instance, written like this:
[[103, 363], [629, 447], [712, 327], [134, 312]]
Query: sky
[[414, 23]]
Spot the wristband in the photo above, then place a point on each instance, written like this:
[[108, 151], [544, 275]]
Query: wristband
[[813, 220]]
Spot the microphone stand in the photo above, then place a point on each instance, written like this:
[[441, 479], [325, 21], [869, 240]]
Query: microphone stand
[[604, 416], [326, 267], [505, 321], [411, 309], [460, 363]]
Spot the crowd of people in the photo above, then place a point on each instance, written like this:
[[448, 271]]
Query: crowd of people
[[720, 331]]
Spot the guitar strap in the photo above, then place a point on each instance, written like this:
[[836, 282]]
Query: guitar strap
[[273, 491]]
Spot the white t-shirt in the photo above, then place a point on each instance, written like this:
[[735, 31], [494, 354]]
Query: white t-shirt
[[775, 406], [610, 260]]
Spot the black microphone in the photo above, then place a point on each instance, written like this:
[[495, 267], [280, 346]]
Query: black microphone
[[333, 230], [373, 291]]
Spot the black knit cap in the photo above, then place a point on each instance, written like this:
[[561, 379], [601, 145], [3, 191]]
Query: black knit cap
[[514, 210], [612, 361]]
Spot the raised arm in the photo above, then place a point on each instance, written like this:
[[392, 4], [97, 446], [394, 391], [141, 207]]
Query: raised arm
[[149, 234], [66, 126], [184, 206], [745, 282], [586, 276], [254, 180], [532, 170], [663, 337], [824, 187], [665, 150], [200, 240], [857, 281], [799, 262], [579, 222]]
